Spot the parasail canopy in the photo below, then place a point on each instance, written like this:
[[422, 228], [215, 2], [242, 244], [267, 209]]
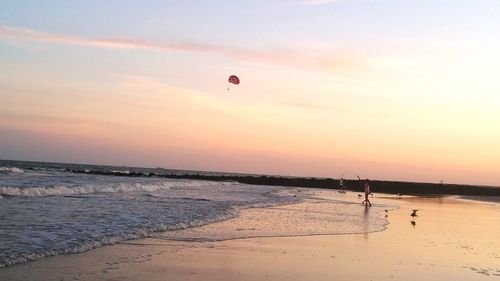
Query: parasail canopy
[[234, 79]]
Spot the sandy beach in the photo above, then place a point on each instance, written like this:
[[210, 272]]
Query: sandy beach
[[450, 239], [249, 140]]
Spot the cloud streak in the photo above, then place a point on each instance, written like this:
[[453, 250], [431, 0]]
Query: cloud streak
[[334, 60], [115, 43], [349, 60], [321, 2]]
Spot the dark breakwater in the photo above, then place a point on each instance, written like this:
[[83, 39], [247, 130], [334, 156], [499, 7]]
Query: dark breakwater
[[377, 186]]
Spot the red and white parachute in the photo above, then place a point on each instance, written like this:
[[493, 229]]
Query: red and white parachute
[[233, 79]]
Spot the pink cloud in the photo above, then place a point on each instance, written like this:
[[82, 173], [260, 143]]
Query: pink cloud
[[321, 2], [333, 60], [117, 43]]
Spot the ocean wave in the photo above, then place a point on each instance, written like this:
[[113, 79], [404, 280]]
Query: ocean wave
[[137, 234], [49, 211], [157, 230], [10, 170], [102, 188], [125, 172]]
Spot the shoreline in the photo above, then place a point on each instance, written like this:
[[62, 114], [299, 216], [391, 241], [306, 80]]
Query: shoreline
[[436, 247], [171, 234], [487, 199]]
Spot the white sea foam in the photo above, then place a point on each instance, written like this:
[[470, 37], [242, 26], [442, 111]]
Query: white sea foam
[[138, 234], [138, 219], [124, 172], [326, 213], [51, 210], [153, 231], [7, 170], [90, 188]]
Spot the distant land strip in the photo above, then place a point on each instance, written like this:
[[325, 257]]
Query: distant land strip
[[377, 186]]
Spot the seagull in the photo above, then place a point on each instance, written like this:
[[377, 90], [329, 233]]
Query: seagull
[[414, 213]]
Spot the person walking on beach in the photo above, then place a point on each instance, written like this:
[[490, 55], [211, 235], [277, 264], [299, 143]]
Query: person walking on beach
[[342, 188], [366, 186]]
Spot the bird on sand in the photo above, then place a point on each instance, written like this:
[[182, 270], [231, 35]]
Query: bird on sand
[[414, 213], [359, 195]]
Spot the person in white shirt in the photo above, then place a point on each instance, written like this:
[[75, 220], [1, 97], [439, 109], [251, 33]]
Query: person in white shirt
[[367, 192], [342, 187]]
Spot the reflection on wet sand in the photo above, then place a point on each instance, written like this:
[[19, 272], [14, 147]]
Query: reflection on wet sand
[[366, 221]]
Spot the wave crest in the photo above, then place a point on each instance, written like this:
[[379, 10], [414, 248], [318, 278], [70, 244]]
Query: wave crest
[[137, 234], [91, 189], [10, 170]]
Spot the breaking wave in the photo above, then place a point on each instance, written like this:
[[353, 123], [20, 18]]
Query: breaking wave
[[27, 256], [57, 210], [9, 170], [107, 188]]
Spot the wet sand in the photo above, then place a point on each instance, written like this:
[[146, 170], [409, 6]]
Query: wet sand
[[450, 239]]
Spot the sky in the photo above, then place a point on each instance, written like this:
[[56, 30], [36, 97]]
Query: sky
[[384, 89]]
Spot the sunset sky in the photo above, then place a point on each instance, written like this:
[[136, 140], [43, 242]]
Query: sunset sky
[[384, 89]]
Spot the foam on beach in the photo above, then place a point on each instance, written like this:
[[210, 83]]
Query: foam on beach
[[81, 246], [324, 213]]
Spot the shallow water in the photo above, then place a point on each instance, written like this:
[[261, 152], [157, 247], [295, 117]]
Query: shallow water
[[319, 212], [47, 210], [51, 211]]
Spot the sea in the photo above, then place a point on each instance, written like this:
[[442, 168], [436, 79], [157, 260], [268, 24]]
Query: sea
[[49, 209]]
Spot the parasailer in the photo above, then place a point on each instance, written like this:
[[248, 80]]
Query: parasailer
[[233, 79]]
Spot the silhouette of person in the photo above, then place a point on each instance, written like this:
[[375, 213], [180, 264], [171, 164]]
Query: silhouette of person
[[366, 186], [342, 187]]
